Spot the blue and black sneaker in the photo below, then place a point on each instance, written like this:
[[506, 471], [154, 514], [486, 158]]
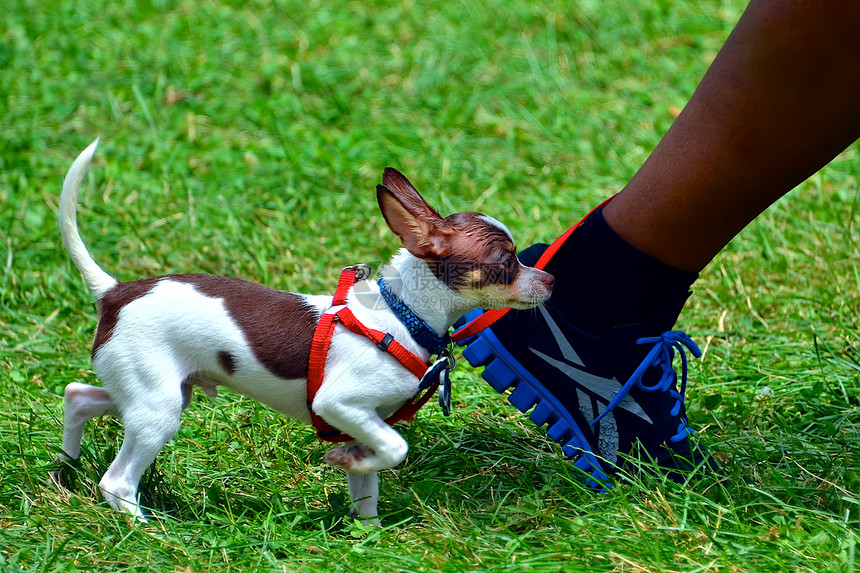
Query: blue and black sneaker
[[598, 395]]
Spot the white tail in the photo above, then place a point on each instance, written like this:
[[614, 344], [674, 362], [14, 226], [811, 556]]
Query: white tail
[[97, 279]]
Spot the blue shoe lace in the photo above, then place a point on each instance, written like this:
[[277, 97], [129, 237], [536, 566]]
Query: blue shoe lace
[[661, 354]]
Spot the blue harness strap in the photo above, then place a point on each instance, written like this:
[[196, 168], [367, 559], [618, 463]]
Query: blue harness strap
[[418, 329]]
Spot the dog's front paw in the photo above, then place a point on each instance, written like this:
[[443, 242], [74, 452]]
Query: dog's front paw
[[350, 458]]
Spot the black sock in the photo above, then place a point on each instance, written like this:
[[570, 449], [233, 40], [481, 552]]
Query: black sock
[[603, 282]]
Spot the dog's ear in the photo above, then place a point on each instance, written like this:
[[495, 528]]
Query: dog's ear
[[409, 215]]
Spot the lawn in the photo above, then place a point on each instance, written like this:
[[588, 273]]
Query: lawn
[[246, 138]]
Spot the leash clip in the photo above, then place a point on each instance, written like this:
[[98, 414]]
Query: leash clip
[[440, 370], [445, 385]]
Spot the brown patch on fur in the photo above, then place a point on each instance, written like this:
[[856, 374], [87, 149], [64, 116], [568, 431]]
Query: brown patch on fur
[[113, 301], [227, 362], [278, 325], [479, 254]]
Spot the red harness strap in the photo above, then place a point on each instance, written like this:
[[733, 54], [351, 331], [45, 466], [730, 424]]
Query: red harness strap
[[491, 316], [384, 341]]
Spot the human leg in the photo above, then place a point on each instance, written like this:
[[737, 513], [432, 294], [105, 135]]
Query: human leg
[[777, 104]]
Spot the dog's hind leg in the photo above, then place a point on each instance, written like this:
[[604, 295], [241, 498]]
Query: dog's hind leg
[[148, 427], [81, 403]]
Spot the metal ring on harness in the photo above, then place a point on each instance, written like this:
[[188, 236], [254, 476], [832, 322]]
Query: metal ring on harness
[[362, 271]]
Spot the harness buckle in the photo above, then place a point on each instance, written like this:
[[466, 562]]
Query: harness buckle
[[385, 342]]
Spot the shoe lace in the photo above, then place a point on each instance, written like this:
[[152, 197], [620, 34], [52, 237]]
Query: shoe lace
[[661, 355]]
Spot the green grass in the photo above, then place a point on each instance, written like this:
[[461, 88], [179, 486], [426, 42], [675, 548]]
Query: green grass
[[247, 138]]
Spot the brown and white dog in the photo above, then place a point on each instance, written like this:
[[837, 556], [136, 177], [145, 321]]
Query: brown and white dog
[[159, 337]]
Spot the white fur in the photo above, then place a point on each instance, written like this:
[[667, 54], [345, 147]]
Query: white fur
[[182, 327], [413, 282], [99, 281], [499, 225], [168, 339]]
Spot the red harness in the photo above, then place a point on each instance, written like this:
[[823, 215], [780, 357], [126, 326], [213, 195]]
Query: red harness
[[384, 341], [322, 337]]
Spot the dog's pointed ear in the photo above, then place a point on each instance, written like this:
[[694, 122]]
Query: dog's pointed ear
[[409, 215]]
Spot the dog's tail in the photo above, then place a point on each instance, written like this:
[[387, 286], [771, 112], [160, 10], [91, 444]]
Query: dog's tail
[[96, 278]]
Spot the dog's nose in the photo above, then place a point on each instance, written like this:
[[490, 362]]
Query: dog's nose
[[547, 280]]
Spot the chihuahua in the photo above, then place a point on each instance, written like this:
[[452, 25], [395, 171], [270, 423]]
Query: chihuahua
[[159, 337]]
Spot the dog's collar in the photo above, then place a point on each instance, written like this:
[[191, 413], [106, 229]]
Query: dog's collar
[[418, 329]]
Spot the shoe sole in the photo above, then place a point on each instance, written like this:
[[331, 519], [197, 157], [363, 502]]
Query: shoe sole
[[502, 371]]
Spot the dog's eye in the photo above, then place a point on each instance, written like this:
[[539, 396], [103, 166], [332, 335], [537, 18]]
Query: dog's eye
[[510, 268]]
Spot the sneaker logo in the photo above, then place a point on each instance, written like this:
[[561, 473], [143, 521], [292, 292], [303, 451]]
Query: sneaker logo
[[602, 389], [594, 393]]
